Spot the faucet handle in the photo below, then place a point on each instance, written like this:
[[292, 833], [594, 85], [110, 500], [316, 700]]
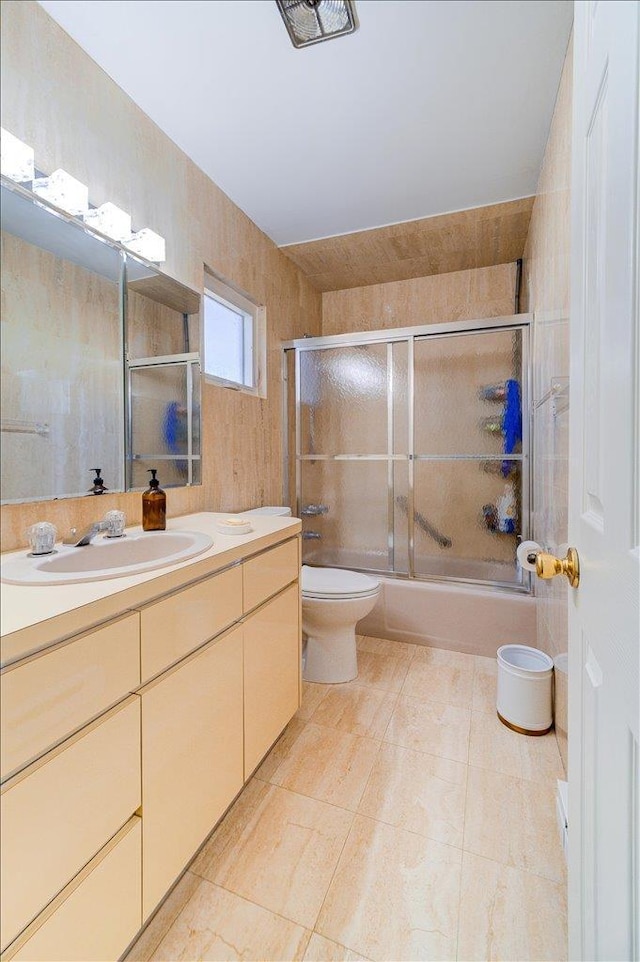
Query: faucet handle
[[114, 523], [42, 537]]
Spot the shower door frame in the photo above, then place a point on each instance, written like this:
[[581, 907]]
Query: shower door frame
[[408, 336]]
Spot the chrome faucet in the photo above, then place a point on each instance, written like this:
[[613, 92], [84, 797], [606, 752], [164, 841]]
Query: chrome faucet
[[311, 536], [78, 540]]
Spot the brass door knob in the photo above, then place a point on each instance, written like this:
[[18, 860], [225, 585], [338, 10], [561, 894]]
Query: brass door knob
[[548, 566]]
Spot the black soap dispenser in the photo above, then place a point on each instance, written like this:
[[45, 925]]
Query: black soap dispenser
[[154, 505], [99, 486]]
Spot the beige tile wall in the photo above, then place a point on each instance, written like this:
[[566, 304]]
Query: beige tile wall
[[546, 295], [457, 241], [56, 99], [458, 296]]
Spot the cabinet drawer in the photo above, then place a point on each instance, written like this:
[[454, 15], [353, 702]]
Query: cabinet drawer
[[269, 572], [171, 628], [58, 812], [271, 673], [49, 696], [192, 758], [98, 914]]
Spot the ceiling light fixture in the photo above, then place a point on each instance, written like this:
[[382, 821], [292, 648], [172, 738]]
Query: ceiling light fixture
[[311, 21]]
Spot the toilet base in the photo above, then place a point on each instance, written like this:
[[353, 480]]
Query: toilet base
[[331, 657]]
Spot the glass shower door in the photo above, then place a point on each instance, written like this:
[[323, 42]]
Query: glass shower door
[[467, 459], [351, 403], [411, 451]]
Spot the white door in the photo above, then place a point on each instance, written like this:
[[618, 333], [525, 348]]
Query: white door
[[604, 523]]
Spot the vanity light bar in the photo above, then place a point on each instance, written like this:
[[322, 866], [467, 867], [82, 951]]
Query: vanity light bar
[[110, 220], [64, 191], [147, 243], [16, 159]]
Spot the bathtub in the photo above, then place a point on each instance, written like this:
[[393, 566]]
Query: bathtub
[[487, 573], [461, 617], [466, 618]]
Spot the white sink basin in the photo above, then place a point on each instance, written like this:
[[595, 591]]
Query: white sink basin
[[107, 558]]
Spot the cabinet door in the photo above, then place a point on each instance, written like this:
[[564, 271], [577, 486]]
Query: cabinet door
[[270, 571], [97, 915], [191, 758], [177, 625], [271, 673], [61, 810], [50, 695]]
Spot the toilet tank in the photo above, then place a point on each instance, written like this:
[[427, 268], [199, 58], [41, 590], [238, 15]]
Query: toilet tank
[[274, 510]]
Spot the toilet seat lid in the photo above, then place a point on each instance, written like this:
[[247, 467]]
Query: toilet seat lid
[[336, 583]]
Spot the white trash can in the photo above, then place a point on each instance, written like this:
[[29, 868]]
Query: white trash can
[[525, 679]]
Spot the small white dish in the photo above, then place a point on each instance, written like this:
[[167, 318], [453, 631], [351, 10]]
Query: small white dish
[[233, 526]]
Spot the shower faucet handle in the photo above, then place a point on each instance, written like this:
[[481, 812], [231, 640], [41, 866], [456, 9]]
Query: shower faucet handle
[[313, 510]]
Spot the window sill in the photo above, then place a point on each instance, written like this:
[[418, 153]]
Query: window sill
[[232, 386]]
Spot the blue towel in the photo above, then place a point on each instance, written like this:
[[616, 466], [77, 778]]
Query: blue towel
[[174, 429], [511, 422]]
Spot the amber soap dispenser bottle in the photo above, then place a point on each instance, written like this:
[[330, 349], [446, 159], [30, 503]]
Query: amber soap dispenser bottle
[[154, 505]]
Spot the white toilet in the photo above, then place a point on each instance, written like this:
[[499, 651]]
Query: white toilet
[[333, 601]]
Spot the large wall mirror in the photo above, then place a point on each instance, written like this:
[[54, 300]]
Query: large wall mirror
[[162, 347], [100, 360]]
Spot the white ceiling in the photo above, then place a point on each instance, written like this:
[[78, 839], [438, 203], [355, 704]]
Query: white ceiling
[[431, 106]]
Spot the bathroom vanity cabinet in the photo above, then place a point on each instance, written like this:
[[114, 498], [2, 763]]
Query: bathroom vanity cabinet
[[270, 646], [125, 743], [192, 751]]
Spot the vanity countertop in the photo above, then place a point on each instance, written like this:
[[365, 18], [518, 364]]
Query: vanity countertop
[[34, 616]]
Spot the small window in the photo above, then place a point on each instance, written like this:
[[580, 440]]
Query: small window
[[233, 338]]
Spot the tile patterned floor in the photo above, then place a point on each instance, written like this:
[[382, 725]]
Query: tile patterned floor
[[395, 819]]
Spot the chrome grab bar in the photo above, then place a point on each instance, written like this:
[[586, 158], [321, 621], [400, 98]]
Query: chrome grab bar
[[426, 526]]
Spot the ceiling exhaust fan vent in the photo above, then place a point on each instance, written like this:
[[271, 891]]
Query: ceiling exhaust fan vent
[[311, 21]]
